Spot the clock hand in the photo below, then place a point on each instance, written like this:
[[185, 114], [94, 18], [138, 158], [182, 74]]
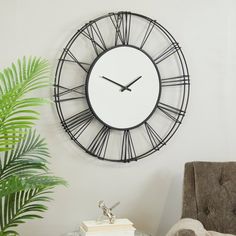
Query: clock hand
[[123, 87], [127, 86]]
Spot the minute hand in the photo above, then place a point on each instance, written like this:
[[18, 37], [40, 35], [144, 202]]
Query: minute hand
[[128, 85], [122, 86]]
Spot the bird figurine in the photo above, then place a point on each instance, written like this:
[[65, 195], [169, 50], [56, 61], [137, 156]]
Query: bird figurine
[[107, 212]]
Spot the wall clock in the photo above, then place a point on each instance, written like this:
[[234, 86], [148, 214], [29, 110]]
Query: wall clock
[[121, 87]]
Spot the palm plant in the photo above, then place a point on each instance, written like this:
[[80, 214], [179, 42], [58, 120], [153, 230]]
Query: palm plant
[[24, 179]]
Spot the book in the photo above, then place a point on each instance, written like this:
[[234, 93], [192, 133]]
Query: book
[[119, 232], [121, 227], [120, 224]]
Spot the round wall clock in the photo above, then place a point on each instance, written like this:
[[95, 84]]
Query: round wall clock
[[121, 87]]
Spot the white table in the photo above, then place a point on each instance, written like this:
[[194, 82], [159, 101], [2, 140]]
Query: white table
[[76, 233], [139, 233]]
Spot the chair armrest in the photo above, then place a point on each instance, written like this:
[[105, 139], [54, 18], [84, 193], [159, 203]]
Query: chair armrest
[[188, 227]]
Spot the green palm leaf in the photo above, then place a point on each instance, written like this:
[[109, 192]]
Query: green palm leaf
[[26, 157], [15, 184], [24, 179], [24, 182], [25, 203], [15, 83]]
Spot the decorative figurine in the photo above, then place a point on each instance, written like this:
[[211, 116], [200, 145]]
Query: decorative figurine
[[107, 212]]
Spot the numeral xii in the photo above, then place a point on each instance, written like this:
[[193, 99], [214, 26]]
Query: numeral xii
[[122, 24]]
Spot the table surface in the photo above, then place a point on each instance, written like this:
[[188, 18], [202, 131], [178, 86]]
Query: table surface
[[137, 233]]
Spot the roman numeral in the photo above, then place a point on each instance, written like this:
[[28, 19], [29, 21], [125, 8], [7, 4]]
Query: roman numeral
[[127, 151], [122, 24], [79, 93], [154, 137], [148, 32], [99, 144], [173, 113], [93, 33], [73, 58], [77, 123], [175, 81], [170, 50]]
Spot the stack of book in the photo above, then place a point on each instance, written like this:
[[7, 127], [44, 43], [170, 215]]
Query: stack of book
[[121, 227]]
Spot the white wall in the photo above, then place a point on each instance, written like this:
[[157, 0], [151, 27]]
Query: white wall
[[149, 190]]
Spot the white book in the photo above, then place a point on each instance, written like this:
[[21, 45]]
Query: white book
[[130, 232], [94, 226]]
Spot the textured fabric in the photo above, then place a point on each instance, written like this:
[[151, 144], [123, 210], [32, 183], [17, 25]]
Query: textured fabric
[[191, 227], [210, 195], [187, 227], [185, 232]]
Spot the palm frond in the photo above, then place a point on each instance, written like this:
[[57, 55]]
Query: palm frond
[[27, 157], [24, 179], [24, 198], [14, 184], [15, 83]]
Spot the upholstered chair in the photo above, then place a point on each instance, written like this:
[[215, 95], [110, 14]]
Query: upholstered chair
[[209, 196]]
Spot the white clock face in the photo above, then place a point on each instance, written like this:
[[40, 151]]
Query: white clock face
[[123, 87]]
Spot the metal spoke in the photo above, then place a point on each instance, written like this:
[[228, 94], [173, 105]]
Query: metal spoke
[[172, 112], [74, 59], [148, 32], [122, 24], [98, 146], [78, 122], [170, 50], [181, 80], [93, 33], [154, 137], [127, 151]]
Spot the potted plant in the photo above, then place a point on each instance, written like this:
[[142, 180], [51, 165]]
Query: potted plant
[[25, 182]]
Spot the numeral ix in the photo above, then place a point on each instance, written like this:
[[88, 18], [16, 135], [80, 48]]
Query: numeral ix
[[79, 92]]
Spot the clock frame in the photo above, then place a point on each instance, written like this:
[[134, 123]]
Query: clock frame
[[74, 109]]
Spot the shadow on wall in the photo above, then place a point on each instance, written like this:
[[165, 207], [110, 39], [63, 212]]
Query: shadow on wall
[[171, 211], [154, 211]]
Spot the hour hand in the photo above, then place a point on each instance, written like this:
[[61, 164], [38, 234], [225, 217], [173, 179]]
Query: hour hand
[[128, 85], [122, 86]]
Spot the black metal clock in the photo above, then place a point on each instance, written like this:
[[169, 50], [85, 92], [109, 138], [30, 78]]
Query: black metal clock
[[121, 87]]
